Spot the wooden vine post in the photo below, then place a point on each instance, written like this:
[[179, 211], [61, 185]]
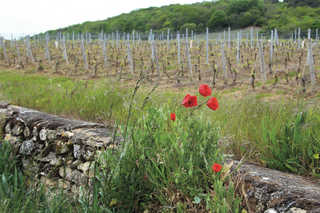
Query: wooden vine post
[[31, 55], [4, 49], [189, 62], [263, 70], [224, 63], [178, 39], [84, 53], [207, 46], [47, 50], [17, 49], [64, 50], [156, 57], [313, 79], [129, 57], [103, 46]]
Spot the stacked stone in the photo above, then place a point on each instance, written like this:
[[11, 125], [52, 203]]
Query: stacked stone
[[56, 150]]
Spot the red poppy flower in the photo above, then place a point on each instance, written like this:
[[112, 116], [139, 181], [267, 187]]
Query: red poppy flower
[[190, 101], [204, 90], [173, 116], [213, 103], [216, 167]]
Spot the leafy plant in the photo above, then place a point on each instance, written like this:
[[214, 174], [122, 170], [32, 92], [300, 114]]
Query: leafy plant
[[294, 148]]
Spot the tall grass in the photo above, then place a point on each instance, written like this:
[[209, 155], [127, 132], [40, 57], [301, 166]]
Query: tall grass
[[244, 122], [19, 193], [163, 165]]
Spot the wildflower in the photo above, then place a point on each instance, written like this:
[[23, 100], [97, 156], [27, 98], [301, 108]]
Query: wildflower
[[190, 101], [204, 90], [316, 156], [173, 116], [213, 103], [216, 167]]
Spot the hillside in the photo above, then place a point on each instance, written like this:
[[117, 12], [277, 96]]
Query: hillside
[[268, 14]]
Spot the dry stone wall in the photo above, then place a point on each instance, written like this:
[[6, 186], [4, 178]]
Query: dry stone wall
[[63, 151], [54, 149]]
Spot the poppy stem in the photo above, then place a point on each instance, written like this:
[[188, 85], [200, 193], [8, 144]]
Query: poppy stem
[[200, 105]]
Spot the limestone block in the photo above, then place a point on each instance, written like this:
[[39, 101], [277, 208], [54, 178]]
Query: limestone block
[[77, 151], [48, 182], [88, 155], [271, 211], [26, 132], [297, 210], [30, 167], [35, 133], [74, 164], [27, 147], [11, 139], [64, 184], [73, 175], [61, 147], [268, 190], [17, 130], [87, 168], [43, 134], [7, 128], [52, 158]]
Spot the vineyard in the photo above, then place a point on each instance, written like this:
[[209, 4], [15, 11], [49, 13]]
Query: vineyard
[[259, 105], [221, 63]]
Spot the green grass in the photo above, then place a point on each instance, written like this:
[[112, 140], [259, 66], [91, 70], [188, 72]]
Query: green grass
[[159, 158], [20, 193], [284, 133], [262, 95], [241, 120], [230, 90]]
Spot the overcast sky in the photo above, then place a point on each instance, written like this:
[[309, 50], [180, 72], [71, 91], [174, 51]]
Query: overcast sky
[[35, 16]]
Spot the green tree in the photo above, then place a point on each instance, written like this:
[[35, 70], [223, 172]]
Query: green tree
[[128, 26], [201, 27], [140, 25], [255, 13], [246, 19], [283, 20], [190, 26], [218, 19], [233, 21], [260, 22], [316, 24]]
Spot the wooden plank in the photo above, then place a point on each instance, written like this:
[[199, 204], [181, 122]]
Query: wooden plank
[[263, 72], [312, 74], [156, 57], [17, 49], [189, 61], [4, 49]]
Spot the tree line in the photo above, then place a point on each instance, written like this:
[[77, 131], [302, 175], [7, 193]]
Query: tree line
[[236, 14]]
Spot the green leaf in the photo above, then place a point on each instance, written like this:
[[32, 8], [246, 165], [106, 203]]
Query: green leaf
[[291, 168]]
